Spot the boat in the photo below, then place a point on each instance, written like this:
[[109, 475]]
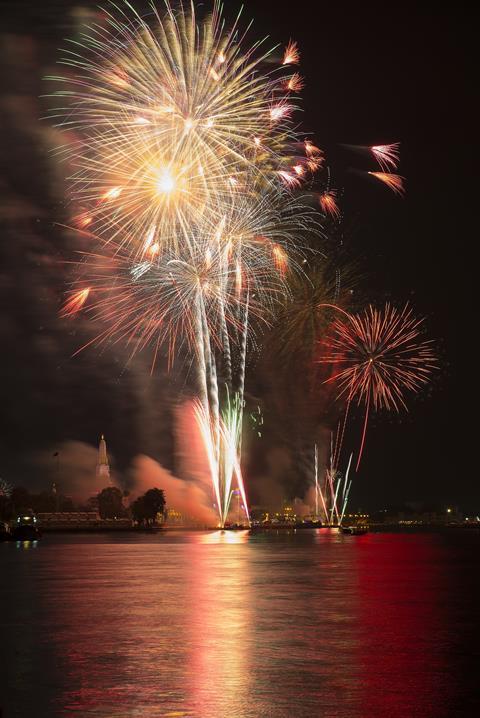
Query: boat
[[25, 527], [358, 530]]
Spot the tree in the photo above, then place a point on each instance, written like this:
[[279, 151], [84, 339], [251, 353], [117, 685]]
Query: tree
[[110, 504], [138, 510], [146, 508], [154, 501]]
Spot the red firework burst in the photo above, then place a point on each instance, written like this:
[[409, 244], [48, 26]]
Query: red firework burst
[[381, 356]]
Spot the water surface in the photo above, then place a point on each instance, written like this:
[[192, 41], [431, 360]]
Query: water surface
[[233, 625]]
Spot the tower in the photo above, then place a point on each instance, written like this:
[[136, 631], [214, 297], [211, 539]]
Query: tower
[[103, 469]]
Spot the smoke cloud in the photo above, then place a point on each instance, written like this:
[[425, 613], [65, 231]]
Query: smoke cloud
[[187, 497], [74, 470]]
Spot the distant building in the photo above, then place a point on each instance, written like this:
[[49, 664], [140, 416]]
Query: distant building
[[103, 467]]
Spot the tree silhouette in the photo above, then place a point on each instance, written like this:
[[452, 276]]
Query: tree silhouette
[[146, 508], [110, 504]]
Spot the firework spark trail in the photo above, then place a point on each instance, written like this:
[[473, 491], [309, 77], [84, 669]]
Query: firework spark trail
[[341, 429], [201, 362], [335, 490], [223, 458], [243, 348], [364, 433], [346, 490], [318, 490], [331, 475]]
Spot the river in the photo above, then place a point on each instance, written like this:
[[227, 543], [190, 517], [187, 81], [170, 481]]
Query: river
[[233, 625]]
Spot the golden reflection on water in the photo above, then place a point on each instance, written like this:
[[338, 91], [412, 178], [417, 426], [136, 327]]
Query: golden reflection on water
[[234, 537], [219, 666]]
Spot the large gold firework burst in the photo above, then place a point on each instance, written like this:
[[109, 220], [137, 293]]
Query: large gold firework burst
[[173, 116]]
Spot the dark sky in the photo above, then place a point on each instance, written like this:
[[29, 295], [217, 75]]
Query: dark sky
[[374, 74]]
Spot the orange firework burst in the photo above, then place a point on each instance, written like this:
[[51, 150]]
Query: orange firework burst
[[395, 182], [75, 302], [328, 202], [382, 356], [311, 150], [295, 83], [292, 54], [387, 156]]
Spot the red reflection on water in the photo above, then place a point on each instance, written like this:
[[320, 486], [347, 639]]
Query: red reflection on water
[[400, 588]]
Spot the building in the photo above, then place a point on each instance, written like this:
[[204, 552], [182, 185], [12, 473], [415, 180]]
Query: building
[[103, 468]]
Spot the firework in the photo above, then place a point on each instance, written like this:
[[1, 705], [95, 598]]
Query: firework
[[184, 163], [200, 301], [303, 317], [75, 302], [168, 117], [295, 83], [382, 356], [387, 156], [395, 182], [223, 451], [292, 54], [328, 203], [332, 494], [150, 300]]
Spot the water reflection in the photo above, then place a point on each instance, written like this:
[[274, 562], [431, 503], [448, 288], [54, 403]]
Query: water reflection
[[220, 536], [220, 629], [401, 592], [26, 545], [236, 625]]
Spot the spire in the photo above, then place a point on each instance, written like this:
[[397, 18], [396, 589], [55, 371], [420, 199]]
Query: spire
[[103, 469], [102, 451]]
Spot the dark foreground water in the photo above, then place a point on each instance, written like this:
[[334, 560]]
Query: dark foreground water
[[230, 625]]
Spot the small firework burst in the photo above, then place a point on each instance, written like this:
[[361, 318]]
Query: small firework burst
[[75, 302], [295, 83], [311, 150], [328, 203], [292, 54], [382, 356], [290, 179], [387, 156], [395, 182]]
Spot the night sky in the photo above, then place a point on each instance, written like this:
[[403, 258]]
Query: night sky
[[374, 75]]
